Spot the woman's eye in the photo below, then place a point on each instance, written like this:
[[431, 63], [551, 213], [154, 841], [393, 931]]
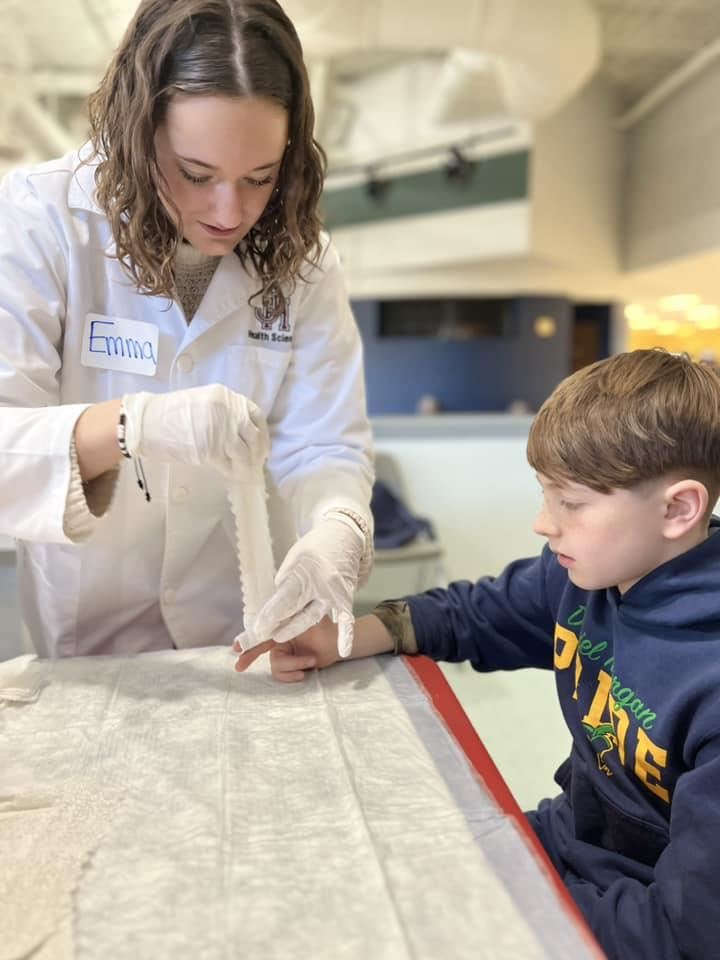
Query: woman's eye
[[259, 183], [191, 178]]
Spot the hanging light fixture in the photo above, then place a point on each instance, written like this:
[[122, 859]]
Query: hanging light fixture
[[376, 188], [458, 168]]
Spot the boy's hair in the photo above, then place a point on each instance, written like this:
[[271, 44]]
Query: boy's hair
[[235, 48], [634, 417]]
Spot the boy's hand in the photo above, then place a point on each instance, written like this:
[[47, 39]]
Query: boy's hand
[[314, 649]]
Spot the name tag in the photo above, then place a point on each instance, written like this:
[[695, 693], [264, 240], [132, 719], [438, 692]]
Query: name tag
[[115, 344]]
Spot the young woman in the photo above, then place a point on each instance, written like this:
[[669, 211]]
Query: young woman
[[165, 292]]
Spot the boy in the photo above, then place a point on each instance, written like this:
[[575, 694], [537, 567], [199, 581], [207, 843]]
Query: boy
[[624, 604]]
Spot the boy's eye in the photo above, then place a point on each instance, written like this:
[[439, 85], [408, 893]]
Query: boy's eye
[[569, 505], [191, 178]]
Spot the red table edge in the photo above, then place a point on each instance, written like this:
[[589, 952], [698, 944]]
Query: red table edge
[[443, 699]]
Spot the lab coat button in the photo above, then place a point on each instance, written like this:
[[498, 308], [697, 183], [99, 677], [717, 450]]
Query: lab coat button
[[185, 363], [181, 494]]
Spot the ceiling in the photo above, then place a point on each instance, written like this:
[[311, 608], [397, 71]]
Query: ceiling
[[643, 42], [646, 40], [52, 54]]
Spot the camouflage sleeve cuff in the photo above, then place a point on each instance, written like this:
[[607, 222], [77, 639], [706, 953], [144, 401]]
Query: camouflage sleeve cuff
[[395, 615]]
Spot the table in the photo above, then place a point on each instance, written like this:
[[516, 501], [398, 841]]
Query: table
[[163, 806]]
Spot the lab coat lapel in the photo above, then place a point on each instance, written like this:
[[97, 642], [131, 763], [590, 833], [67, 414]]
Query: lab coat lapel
[[229, 291]]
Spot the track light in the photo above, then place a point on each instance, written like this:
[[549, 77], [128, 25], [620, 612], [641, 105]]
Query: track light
[[459, 168], [376, 188]]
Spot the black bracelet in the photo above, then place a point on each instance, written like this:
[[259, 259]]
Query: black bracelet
[[137, 462]]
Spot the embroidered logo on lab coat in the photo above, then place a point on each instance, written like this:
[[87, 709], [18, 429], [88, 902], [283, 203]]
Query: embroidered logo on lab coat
[[273, 320]]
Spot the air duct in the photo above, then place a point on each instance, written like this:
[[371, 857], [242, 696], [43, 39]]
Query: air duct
[[541, 53]]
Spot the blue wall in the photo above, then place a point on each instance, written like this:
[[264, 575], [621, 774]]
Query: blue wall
[[486, 374]]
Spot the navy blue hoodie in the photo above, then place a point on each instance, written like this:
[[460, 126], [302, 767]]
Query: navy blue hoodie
[[635, 833]]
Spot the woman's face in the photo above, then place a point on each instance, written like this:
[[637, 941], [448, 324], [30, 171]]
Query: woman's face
[[220, 158]]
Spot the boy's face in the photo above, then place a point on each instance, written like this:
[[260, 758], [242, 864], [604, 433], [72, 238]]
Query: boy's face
[[604, 539]]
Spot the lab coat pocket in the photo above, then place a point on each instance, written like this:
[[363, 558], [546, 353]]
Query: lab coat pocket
[[257, 373]]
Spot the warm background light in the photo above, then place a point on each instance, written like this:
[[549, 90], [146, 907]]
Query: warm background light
[[678, 302], [680, 323]]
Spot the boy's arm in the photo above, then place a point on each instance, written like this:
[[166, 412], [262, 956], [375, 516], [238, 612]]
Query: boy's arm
[[674, 917], [497, 623], [317, 648]]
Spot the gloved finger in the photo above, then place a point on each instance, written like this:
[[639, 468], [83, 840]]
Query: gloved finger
[[346, 632], [251, 446], [302, 621], [289, 598], [246, 640], [247, 440], [260, 435]]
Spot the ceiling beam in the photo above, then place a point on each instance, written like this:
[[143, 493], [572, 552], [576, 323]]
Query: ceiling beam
[[678, 78]]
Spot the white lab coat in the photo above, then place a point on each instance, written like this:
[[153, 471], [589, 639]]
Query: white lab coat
[[163, 573]]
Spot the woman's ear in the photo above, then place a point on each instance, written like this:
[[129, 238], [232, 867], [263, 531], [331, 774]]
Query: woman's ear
[[686, 504]]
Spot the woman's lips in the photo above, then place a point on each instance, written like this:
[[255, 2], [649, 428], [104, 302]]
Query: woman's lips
[[219, 231]]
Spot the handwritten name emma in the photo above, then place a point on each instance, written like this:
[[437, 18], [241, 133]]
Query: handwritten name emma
[[111, 345]]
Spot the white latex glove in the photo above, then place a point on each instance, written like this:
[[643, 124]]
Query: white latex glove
[[203, 426], [318, 577]]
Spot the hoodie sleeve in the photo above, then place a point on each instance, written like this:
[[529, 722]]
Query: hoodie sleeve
[[497, 623], [672, 918]]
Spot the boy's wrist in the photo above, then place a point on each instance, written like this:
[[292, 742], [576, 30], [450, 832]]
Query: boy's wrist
[[394, 615], [371, 638]]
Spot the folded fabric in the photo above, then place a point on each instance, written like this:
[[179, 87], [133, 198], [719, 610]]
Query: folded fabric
[[21, 680]]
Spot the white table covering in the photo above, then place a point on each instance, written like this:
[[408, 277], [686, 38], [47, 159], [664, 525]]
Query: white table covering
[[164, 806]]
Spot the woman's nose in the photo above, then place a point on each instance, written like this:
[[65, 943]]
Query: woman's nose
[[228, 206]]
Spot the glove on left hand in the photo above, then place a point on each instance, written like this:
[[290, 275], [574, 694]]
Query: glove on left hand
[[318, 577]]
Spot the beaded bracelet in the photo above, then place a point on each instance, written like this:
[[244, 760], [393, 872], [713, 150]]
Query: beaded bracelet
[[121, 434], [121, 430]]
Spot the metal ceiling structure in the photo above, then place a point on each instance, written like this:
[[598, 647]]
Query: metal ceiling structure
[[644, 41], [51, 56]]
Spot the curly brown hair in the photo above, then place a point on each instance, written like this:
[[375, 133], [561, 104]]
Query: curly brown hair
[[237, 48]]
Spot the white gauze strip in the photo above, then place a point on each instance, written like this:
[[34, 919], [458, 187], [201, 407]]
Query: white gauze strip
[[248, 501]]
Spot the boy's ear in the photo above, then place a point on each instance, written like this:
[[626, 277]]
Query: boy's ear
[[686, 504]]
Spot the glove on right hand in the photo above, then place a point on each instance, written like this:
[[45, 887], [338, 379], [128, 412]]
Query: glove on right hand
[[203, 426]]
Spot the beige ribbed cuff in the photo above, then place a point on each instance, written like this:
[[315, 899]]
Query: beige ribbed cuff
[[86, 502], [395, 615]]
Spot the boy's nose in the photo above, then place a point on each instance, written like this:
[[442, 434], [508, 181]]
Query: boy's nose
[[544, 525]]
